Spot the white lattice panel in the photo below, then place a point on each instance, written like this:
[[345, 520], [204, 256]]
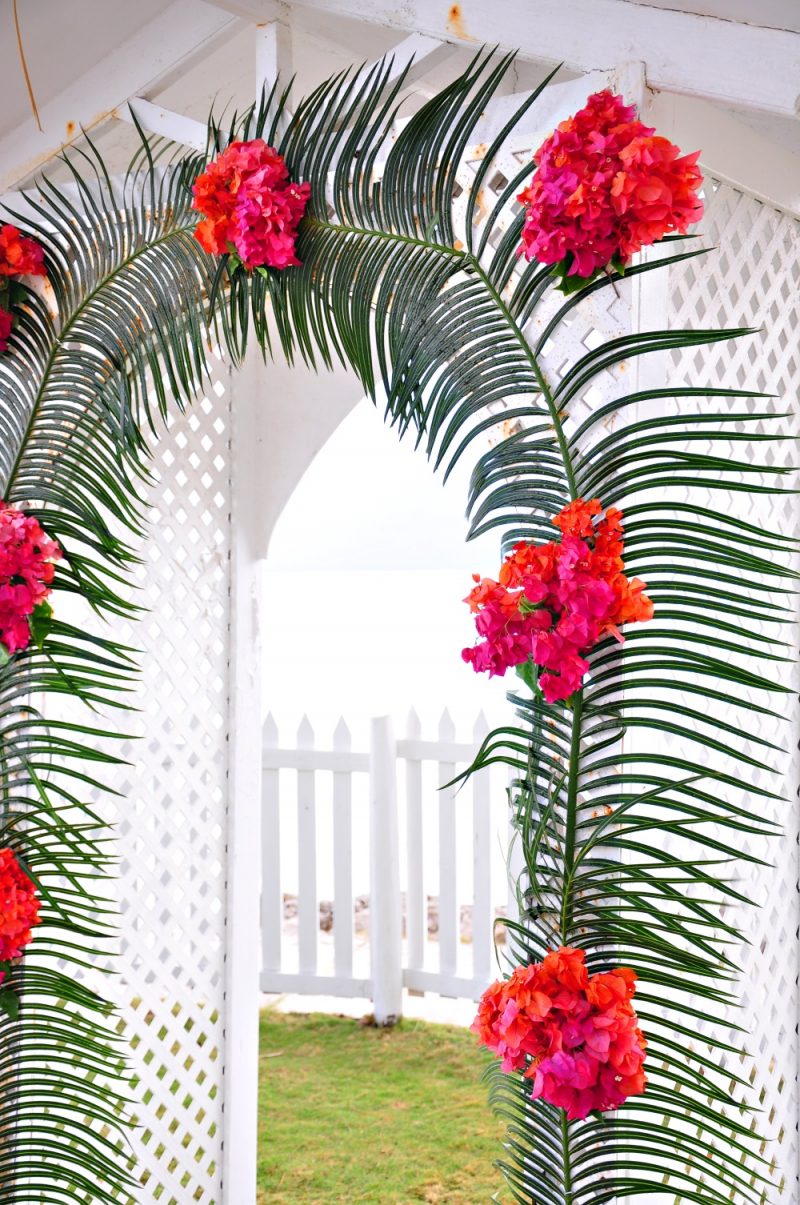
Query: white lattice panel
[[753, 279], [171, 822]]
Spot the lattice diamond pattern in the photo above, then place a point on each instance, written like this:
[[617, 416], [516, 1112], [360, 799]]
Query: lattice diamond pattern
[[171, 825], [753, 279]]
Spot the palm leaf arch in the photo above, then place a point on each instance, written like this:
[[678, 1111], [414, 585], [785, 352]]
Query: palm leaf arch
[[437, 321]]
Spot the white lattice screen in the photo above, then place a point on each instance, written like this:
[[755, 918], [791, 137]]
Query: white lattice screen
[[752, 277], [171, 822]]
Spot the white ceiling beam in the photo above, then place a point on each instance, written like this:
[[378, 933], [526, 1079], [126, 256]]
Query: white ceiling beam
[[150, 59], [416, 55], [714, 59], [257, 11]]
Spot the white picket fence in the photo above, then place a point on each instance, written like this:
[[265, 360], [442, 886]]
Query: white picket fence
[[382, 822]]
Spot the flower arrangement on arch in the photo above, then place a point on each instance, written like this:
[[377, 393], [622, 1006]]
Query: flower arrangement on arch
[[555, 601], [19, 256], [251, 208], [27, 566], [605, 186], [19, 914], [574, 1034]]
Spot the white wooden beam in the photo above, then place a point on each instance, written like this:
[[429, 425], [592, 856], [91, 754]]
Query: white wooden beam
[[273, 55], [730, 150], [715, 59], [257, 11], [164, 122], [416, 55], [149, 59]]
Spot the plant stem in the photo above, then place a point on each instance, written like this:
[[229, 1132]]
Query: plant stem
[[566, 1165], [571, 816], [547, 394]]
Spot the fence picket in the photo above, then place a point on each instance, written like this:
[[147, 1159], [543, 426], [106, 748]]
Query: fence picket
[[271, 895], [416, 904], [384, 888], [342, 858], [481, 864], [307, 902], [448, 893]]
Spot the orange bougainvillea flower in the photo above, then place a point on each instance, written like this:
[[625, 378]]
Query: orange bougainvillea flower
[[553, 602], [6, 323], [19, 256], [250, 205], [574, 1034], [605, 186], [19, 907], [27, 567]]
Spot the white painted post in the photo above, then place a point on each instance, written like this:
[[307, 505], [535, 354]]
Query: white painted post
[[242, 938], [384, 907]]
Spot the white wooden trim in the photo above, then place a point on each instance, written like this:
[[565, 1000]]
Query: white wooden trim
[[150, 59], [248, 455], [704, 56]]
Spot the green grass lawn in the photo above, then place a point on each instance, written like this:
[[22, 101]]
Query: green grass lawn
[[355, 1114]]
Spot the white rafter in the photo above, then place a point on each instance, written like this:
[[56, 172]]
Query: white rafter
[[151, 58], [257, 11], [156, 120], [715, 59]]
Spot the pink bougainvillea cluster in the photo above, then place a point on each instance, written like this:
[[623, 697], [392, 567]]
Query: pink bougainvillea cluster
[[605, 186], [575, 1035], [27, 567], [19, 908], [19, 256], [251, 208], [554, 601]]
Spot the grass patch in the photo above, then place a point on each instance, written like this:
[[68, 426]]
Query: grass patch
[[355, 1114]]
